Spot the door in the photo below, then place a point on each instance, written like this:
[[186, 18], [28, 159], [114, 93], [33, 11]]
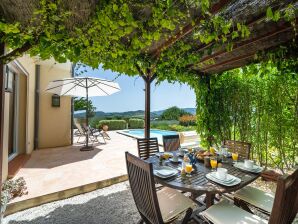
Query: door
[[11, 91]]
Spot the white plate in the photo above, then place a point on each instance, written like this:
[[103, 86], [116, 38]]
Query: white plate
[[229, 178], [233, 183], [175, 161], [165, 172], [255, 169]]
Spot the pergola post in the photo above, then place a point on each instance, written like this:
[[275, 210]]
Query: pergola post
[[2, 97], [148, 79], [147, 106]]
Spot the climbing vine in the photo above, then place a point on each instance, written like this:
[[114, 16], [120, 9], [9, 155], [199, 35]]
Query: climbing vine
[[257, 103], [119, 38]]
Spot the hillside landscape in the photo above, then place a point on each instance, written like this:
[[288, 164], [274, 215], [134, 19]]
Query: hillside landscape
[[136, 113]]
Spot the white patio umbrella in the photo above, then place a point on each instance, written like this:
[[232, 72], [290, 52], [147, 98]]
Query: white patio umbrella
[[83, 87]]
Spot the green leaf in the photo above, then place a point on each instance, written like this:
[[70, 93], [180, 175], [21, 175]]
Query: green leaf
[[235, 34], [269, 13], [115, 7]]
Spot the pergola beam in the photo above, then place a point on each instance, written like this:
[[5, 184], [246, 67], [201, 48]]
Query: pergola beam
[[247, 43], [240, 58], [242, 45], [188, 28]]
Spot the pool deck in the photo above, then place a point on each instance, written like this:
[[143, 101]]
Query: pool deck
[[136, 136], [58, 173]]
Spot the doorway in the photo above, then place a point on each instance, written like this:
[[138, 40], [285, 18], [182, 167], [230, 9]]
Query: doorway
[[16, 95], [11, 98]]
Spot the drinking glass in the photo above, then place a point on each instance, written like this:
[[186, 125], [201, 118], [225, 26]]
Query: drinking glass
[[166, 156], [188, 169], [213, 163], [235, 157]]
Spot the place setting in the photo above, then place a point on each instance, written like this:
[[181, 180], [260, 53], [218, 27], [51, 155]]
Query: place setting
[[165, 172], [248, 165], [222, 177]]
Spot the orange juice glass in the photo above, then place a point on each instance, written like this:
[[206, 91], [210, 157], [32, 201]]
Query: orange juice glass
[[235, 156], [212, 150], [166, 155], [213, 163], [188, 169]]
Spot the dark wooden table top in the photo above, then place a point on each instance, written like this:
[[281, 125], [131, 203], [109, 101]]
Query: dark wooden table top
[[198, 183]]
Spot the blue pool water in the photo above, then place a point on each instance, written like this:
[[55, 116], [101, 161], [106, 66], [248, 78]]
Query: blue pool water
[[139, 133]]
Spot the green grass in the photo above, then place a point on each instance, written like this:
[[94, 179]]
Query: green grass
[[172, 127]]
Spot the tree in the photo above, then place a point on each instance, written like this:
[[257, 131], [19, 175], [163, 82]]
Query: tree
[[81, 103], [173, 113]]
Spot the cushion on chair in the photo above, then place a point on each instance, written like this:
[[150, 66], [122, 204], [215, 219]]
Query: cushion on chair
[[256, 197], [226, 213], [172, 203]]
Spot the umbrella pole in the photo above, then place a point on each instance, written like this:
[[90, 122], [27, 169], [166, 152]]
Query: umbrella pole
[[87, 147]]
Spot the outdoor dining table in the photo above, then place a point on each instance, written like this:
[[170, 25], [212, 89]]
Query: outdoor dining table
[[198, 184]]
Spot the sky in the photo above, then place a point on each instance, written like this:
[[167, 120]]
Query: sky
[[132, 95]]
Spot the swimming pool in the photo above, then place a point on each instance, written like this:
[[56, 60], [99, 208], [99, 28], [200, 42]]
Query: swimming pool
[[139, 133]]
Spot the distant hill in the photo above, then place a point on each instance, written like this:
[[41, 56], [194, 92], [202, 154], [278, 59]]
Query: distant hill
[[190, 110], [136, 113]]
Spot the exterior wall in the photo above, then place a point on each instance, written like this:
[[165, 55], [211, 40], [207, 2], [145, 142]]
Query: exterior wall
[[29, 65], [54, 122]]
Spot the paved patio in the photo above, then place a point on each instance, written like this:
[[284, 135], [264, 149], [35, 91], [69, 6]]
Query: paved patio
[[50, 172]]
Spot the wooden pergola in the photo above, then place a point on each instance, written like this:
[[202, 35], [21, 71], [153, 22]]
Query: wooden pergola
[[265, 35]]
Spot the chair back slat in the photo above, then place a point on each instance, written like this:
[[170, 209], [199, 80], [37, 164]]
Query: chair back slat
[[285, 205], [242, 148], [171, 142], [141, 180], [79, 127], [147, 147]]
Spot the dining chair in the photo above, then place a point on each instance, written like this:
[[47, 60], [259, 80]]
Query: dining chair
[[147, 147], [155, 207], [284, 209], [242, 148], [260, 200], [171, 142]]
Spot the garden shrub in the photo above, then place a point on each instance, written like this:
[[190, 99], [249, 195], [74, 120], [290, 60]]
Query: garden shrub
[[113, 124], [187, 120], [136, 123]]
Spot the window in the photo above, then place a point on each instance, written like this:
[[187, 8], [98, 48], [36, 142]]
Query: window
[[9, 80]]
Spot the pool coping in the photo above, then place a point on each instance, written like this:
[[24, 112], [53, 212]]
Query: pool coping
[[138, 137]]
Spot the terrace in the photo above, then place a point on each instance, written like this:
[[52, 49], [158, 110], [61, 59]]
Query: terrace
[[248, 114]]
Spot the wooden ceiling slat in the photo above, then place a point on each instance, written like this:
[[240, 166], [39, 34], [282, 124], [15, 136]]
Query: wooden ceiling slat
[[246, 43], [265, 42], [230, 61], [188, 28]]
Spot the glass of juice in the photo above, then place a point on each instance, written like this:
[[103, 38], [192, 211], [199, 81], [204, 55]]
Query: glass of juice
[[166, 156], [188, 169], [235, 157], [213, 163]]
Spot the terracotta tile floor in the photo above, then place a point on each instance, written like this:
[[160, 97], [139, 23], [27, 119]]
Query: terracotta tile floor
[[56, 169]]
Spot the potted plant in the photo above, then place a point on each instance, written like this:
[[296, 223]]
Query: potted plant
[[11, 189], [5, 198]]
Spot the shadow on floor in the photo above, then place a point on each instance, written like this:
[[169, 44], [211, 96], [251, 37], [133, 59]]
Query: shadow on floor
[[105, 209], [50, 158]]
